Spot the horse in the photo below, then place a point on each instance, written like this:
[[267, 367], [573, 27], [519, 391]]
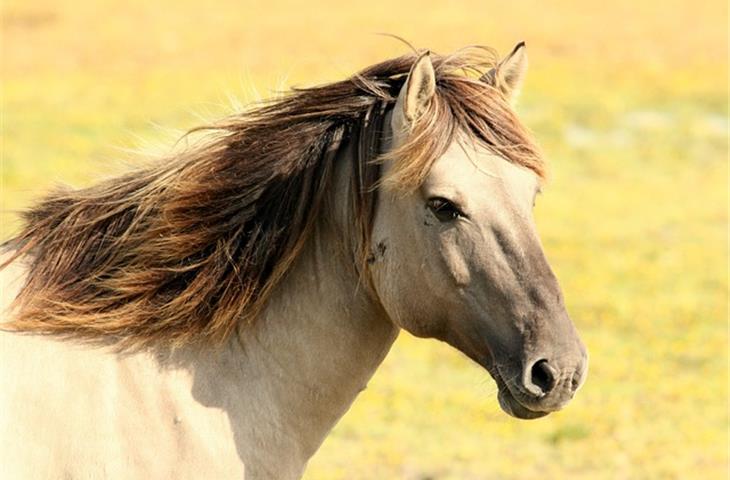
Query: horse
[[215, 313]]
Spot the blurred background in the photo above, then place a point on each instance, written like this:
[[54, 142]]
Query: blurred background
[[630, 103]]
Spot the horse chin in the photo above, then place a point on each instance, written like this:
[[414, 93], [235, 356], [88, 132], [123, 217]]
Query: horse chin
[[510, 405], [514, 408]]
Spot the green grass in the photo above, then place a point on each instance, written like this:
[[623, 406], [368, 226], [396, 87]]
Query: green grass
[[630, 104]]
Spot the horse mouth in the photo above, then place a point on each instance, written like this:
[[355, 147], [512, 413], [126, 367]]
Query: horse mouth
[[509, 402], [512, 407]]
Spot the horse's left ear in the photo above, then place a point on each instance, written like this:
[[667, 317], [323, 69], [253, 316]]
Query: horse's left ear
[[416, 92], [509, 73]]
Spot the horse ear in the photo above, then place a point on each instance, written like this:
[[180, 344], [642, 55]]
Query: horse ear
[[509, 73], [416, 92]]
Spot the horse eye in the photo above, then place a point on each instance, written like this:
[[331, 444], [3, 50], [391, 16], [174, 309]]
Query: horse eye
[[443, 209]]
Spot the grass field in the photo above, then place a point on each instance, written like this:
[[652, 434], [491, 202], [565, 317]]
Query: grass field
[[630, 103]]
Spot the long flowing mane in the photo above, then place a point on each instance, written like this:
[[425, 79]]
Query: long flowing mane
[[185, 250]]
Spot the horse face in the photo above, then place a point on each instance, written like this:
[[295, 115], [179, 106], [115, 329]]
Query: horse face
[[460, 260]]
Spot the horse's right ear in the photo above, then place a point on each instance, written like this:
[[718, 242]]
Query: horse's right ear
[[509, 73], [416, 92]]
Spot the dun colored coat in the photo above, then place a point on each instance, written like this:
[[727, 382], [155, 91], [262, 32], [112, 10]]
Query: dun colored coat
[[215, 314]]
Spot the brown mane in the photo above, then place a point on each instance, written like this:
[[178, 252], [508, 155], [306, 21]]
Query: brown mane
[[186, 249]]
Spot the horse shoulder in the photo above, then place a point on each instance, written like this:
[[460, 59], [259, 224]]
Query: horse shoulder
[[75, 411]]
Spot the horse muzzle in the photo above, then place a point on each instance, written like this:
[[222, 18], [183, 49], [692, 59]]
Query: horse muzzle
[[541, 388]]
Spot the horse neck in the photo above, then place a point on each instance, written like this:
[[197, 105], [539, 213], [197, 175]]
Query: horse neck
[[319, 339]]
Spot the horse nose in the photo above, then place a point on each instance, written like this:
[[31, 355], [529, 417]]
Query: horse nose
[[540, 378]]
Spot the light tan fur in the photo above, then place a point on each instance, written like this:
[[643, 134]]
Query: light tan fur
[[259, 403]]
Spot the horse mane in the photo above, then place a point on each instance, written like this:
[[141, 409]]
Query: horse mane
[[184, 250]]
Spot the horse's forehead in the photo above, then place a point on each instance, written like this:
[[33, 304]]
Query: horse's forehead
[[466, 167]]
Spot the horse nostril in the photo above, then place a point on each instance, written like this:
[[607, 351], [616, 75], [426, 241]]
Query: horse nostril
[[542, 377]]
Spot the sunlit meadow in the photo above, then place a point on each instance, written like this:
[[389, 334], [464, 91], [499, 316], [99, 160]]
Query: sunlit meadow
[[629, 101]]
